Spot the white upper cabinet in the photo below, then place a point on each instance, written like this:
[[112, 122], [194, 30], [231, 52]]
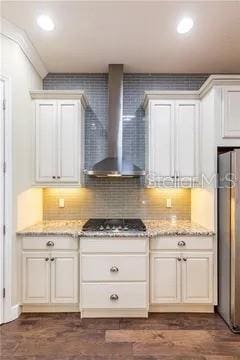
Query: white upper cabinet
[[187, 138], [59, 138], [161, 142], [46, 146], [172, 141], [68, 141], [231, 112]]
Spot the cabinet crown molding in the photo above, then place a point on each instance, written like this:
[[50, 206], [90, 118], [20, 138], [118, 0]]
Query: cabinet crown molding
[[213, 80], [60, 95]]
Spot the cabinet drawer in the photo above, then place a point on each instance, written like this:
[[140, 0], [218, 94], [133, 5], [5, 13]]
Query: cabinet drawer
[[49, 242], [114, 268], [129, 295], [110, 245], [182, 243]]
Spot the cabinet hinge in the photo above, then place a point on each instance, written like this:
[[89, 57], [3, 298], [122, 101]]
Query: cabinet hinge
[[4, 292], [4, 229], [4, 167], [4, 104]]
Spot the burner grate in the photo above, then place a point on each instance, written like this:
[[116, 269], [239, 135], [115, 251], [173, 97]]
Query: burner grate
[[114, 225]]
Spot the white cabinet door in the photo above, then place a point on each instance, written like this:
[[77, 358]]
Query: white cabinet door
[[46, 149], [35, 277], [187, 138], [68, 141], [161, 140], [64, 277], [231, 112], [197, 278], [165, 278]]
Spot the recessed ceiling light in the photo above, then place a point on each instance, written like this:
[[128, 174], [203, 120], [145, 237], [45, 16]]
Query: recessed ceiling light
[[185, 25], [45, 22]]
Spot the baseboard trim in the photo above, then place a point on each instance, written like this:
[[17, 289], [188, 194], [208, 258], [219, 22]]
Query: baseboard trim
[[50, 308], [182, 308], [111, 313]]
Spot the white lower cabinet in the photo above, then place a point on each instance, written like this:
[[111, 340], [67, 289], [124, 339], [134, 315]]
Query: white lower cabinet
[[114, 277], [114, 295], [36, 278], [181, 278], [165, 277], [50, 277], [64, 278], [197, 278]]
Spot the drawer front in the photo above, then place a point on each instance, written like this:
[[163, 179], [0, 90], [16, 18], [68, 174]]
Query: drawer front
[[116, 245], [182, 243], [114, 268], [114, 296], [49, 243]]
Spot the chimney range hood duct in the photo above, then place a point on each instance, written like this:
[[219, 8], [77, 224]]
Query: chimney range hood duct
[[114, 164]]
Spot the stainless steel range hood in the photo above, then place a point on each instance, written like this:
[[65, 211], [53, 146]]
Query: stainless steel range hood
[[114, 164]]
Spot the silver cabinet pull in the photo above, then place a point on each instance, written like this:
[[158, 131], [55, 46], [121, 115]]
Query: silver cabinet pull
[[184, 259], [114, 297], [50, 243], [179, 259], [52, 259], [47, 258], [181, 243], [114, 269]]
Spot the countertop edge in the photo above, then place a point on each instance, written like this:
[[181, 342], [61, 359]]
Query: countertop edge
[[148, 234]]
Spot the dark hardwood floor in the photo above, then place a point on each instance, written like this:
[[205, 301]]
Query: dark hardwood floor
[[161, 336]]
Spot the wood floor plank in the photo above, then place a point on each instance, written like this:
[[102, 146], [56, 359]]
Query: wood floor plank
[[175, 321], [157, 336], [73, 348], [187, 349]]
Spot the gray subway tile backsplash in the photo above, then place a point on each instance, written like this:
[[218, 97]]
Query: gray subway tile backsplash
[[124, 197]]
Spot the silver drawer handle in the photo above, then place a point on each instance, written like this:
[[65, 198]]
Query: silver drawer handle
[[50, 243], [114, 297], [114, 269], [181, 243]]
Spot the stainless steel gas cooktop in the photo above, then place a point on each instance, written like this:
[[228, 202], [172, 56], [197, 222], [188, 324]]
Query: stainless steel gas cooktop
[[114, 225]]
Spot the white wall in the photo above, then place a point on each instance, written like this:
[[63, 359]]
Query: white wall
[[26, 202]]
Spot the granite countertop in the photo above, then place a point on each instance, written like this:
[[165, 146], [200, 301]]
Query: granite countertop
[[54, 227], [179, 227], [154, 228]]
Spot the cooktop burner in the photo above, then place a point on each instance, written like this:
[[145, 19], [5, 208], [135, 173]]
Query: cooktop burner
[[114, 225]]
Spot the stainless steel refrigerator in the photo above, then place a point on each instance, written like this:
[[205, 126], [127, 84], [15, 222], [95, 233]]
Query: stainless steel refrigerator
[[229, 238]]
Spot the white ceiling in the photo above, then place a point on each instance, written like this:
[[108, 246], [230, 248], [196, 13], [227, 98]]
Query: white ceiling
[[140, 34]]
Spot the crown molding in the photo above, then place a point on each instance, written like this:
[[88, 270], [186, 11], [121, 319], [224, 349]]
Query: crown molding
[[218, 80], [169, 95], [212, 81], [19, 36], [60, 94]]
